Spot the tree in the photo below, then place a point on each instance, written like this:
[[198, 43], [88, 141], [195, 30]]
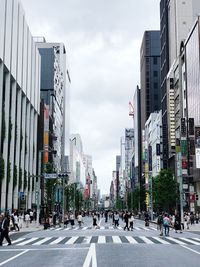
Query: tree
[[2, 166], [15, 177], [165, 191]]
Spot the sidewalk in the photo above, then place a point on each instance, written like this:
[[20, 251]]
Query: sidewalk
[[194, 227], [31, 228]]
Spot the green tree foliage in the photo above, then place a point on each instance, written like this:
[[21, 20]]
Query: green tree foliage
[[25, 180], [29, 181], [136, 199], [15, 177], [165, 191], [9, 171], [2, 168], [3, 123], [20, 178]]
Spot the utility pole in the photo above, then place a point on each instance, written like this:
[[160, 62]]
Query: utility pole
[[38, 187]]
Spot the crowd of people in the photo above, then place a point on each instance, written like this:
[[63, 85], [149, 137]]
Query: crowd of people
[[165, 221]]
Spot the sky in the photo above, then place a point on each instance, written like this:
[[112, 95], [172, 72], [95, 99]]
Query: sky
[[102, 40]]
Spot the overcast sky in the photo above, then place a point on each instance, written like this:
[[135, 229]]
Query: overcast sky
[[102, 39]]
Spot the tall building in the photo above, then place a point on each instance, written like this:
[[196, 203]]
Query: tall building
[[176, 20], [137, 156], [53, 100], [164, 63], [150, 74], [19, 108]]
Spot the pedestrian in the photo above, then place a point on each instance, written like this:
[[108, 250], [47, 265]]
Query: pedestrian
[[177, 223], [146, 215], [54, 218], [79, 219], [31, 216], [160, 223], [95, 220], [27, 219], [106, 216], [116, 219], [131, 220], [197, 217], [16, 221], [71, 217], [5, 230], [166, 224], [126, 217], [186, 221]]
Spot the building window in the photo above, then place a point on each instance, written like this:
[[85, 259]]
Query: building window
[[155, 61], [155, 73], [155, 85]]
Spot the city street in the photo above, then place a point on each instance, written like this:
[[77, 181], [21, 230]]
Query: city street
[[106, 246]]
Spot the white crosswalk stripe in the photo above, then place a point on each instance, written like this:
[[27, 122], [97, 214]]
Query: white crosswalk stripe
[[190, 241], [40, 242], [58, 240], [131, 240], [72, 240], [102, 239], [138, 228], [162, 241], [27, 241], [175, 240], [116, 239], [146, 240]]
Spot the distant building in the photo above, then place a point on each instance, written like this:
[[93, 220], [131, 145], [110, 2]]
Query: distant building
[[150, 74]]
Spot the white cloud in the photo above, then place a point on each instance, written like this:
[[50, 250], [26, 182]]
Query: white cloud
[[102, 39]]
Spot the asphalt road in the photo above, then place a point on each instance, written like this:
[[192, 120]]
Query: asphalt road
[[104, 247]]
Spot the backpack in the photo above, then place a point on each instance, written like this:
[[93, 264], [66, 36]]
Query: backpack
[[160, 219], [166, 222]]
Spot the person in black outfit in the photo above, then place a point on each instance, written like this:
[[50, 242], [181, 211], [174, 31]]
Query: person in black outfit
[[126, 217], [5, 230]]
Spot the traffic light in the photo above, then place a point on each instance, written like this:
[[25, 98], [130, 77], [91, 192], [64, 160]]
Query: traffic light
[[197, 197]]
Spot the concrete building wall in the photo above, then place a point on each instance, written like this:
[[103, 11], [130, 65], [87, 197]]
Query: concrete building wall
[[18, 110]]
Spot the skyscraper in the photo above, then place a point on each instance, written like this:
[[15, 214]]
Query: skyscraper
[[150, 74]]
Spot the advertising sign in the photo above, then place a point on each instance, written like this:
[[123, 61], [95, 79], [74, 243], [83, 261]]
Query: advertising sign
[[197, 150]]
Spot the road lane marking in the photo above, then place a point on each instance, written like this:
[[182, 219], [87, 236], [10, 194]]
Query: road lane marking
[[91, 257], [190, 241], [131, 240], [146, 240], [136, 228], [87, 239], [58, 240], [14, 257], [18, 240], [175, 240], [72, 240], [42, 241], [197, 252], [116, 239], [102, 228], [102, 239], [27, 241], [84, 228], [162, 241]]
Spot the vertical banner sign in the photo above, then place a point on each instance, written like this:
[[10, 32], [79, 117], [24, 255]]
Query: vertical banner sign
[[197, 150]]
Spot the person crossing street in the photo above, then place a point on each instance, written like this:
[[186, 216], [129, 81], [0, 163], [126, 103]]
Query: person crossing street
[[5, 230]]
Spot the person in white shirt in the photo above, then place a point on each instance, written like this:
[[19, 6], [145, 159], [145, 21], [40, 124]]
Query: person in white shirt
[[27, 219], [79, 219]]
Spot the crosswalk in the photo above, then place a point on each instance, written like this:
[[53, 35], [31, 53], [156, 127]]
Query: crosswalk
[[100, 228], [103, 239]]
